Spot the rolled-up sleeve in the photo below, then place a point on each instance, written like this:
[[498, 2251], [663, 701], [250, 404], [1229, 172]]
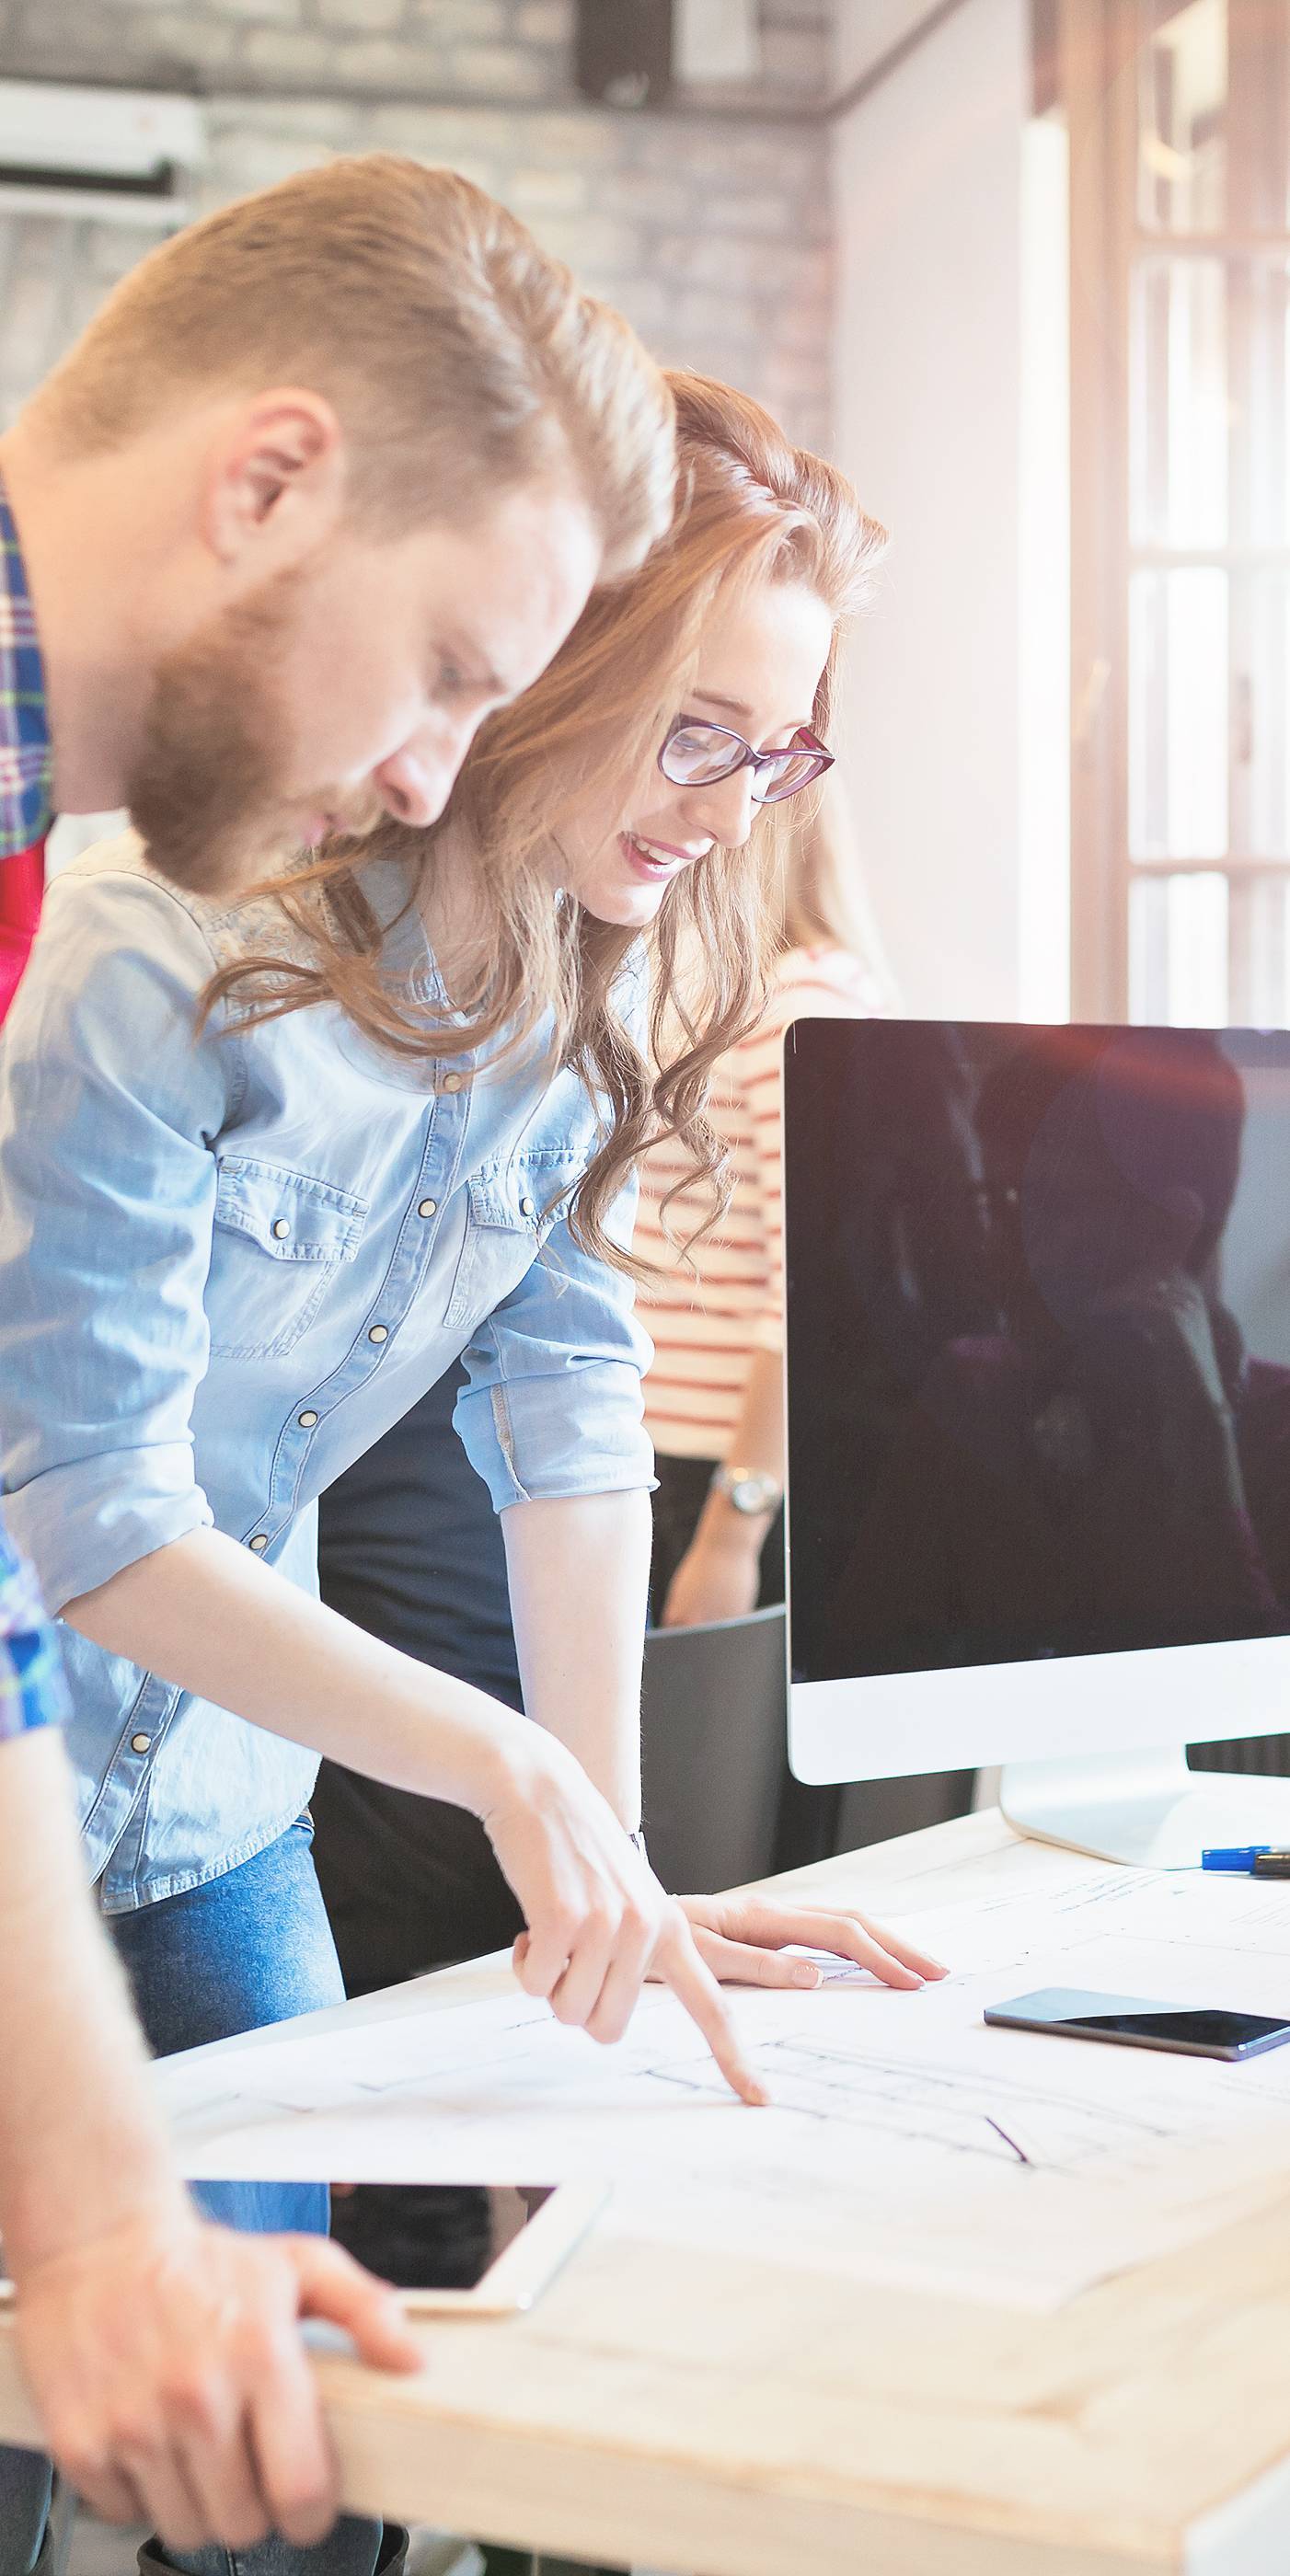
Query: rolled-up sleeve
[[108, 1109], [553, 1407]]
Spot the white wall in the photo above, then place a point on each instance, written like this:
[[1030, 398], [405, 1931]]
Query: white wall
[[865, 30], [930, 186]]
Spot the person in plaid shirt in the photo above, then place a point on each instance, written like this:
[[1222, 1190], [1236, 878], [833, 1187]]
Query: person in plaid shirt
[[330, 476], [31, 1686], [31, 1679], [79, 2254]]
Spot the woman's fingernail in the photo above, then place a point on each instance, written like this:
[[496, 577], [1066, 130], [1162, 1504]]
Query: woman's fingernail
[[805, 1975]]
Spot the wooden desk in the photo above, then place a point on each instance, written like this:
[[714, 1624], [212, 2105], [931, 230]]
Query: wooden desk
[[744, 2420]]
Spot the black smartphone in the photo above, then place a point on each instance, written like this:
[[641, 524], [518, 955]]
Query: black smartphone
[[1135, 2022]]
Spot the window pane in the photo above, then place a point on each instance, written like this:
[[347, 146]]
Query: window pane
[[1182, 118], [1192, 427], [1261, 395], [1178, 403], [1178, 951], [1261, 738], [1178, 714], [1259, 950]]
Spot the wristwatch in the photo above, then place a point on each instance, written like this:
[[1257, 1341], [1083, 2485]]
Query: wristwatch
[[747, 1490]]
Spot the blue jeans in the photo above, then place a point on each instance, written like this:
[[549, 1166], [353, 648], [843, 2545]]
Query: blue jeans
[[251, 1947]]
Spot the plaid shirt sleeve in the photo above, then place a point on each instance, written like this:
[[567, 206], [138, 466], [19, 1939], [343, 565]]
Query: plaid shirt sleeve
[[32, 1691], [25, 754]]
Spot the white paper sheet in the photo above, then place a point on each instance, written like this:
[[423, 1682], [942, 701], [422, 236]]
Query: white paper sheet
[[906, 2142]]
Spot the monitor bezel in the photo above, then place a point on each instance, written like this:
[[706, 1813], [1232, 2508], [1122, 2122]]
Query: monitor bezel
[[896, 1725]]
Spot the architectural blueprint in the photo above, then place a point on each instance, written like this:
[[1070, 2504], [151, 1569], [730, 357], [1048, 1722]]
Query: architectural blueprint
[[905, 2140]]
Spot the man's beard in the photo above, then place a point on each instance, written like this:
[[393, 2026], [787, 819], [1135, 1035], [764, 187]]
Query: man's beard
[[208, 791]]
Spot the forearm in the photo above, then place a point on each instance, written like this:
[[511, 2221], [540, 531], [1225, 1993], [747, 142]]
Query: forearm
[[756, 1446], [719, 1576], [69, 2042], [204, 1614], [579, 1579]]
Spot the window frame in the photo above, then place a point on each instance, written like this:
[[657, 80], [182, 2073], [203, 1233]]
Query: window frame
[[1098, 46]]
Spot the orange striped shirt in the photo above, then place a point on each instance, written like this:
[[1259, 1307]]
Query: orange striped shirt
[[706, 1321]]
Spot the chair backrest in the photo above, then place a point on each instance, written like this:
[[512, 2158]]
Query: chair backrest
[[714, 1721]]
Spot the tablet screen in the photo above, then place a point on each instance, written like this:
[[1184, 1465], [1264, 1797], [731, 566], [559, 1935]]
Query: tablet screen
[[432, 2236]]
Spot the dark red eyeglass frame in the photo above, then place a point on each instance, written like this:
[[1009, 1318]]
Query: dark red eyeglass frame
[[807, 744]]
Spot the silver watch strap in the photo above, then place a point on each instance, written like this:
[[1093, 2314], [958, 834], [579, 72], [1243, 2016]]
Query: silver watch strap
[[733, 1482]]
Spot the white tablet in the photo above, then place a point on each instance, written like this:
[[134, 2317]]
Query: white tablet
[[455, 2249], [478, 2249]]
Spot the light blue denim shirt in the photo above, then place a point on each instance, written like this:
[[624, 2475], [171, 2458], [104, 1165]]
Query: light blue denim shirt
[[228, 1263]]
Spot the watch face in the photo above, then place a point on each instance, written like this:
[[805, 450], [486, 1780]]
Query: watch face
[[753, 1493]]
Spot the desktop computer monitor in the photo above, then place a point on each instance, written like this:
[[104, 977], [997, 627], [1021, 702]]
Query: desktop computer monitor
[[1038, 1366]]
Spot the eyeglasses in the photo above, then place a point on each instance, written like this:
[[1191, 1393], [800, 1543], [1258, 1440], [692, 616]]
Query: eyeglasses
[[697, 755]]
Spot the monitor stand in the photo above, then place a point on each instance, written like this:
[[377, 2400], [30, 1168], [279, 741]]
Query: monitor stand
[[1144, 1808]]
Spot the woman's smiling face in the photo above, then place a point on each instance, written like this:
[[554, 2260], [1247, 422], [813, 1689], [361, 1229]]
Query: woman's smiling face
[[761, 661]]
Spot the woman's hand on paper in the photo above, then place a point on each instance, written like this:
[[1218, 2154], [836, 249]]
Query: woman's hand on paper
[[598, 1921], [745, 1940]]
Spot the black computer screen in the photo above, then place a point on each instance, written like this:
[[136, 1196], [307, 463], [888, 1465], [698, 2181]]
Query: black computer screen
[[1038, 1341]]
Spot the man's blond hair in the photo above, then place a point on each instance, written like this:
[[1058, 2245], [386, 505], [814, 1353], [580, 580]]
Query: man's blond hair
[[459, 357]]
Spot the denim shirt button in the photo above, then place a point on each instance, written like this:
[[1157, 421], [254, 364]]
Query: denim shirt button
[[428, 1207], [527, 1208], [452, 1082], [307, 1420], [379, 1333], [259, 1544], [281, 1228], [140, 1743]]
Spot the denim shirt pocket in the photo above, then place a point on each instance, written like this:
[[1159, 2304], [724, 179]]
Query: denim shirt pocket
[[511, 1209], [279, 1237]]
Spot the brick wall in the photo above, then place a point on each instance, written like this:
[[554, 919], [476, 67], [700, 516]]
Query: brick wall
[[709, 226]]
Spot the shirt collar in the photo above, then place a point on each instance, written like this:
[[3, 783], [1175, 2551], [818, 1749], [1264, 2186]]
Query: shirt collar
[[26, 807]]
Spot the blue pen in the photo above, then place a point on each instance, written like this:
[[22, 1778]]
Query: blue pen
[[1240, 1856]]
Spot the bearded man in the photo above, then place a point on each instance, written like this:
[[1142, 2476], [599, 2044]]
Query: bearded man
[[330, 477]]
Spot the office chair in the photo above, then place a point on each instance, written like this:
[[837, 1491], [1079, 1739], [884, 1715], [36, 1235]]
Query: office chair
[[713, 1724]]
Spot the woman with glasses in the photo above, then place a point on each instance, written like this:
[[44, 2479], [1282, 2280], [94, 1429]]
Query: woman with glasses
[[409, 1545], [269, 1171]]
